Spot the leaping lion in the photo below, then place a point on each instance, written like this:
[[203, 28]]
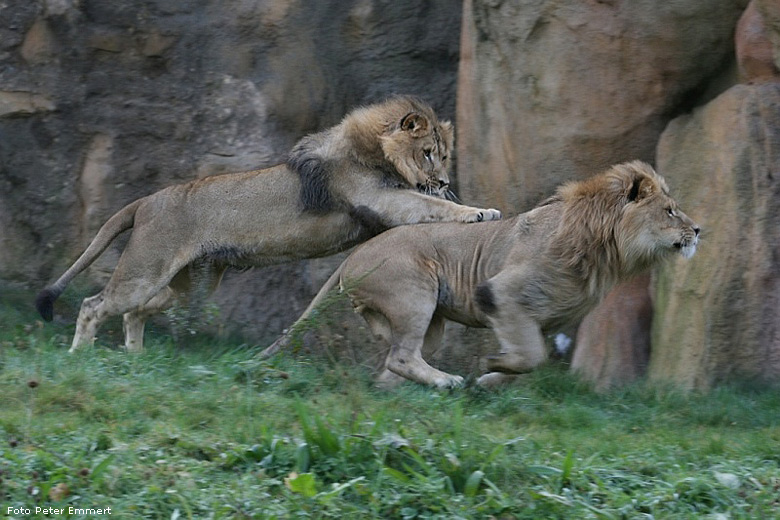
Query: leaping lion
[[384, 165]]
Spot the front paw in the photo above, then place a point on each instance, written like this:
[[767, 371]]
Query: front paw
[[491, 214], [448, 381], [483, 215], [496, 379]]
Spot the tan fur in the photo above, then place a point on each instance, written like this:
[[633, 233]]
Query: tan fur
[[384, 165], [521, 277]]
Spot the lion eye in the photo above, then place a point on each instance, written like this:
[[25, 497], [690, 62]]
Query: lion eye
[[427, 154], [670, 212]]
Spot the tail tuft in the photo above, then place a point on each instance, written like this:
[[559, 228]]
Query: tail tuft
[[44, 302]]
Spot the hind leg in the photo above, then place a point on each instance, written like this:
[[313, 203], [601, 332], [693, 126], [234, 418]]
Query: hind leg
[[96, 309], [409, 332], [87, 322], [132, 285], [406, 339], [419, 370], [380, 328], [195, 282], [134, 321]]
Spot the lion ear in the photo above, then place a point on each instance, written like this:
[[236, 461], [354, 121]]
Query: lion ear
[[414, 123], [641, 188]]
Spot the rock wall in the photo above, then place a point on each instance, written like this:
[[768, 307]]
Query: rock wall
[[555, 90], [718, 316], [104, 102]]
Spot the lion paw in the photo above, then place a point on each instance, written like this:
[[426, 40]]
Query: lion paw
[[388, 380], [483, 215], [496, 379], [491, 214], [449, 381]]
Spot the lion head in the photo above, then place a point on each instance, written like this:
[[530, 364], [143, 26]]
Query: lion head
[[419, 146], [653, 224], [400, 138], [625, 218]]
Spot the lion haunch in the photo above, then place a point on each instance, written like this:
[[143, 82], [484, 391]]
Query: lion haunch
[[521, 277], [383, 166]]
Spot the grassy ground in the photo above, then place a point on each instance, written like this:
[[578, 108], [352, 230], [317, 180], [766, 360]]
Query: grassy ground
[[205, 431]]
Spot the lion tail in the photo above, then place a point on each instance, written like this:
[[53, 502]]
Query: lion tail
[[119, 222], [284, 340]]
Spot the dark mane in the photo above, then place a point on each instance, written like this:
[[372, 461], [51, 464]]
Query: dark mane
[[310, 167]]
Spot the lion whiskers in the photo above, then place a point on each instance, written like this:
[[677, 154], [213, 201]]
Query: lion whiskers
[[450, 195], [434, 189]]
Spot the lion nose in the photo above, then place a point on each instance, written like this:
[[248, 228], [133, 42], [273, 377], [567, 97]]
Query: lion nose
[[696, 230]]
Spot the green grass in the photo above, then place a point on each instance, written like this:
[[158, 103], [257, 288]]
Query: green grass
[[203, 430]]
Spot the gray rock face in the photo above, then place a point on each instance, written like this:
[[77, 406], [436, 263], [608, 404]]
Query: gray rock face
[[554, 91], [718, 315], [551, 91], [755, 60], [104, 102]]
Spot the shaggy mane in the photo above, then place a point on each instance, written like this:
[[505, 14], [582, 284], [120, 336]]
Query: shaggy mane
[[586, 238]]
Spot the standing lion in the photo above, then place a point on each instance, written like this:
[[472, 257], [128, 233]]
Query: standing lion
[[383, 166], [522, 277]]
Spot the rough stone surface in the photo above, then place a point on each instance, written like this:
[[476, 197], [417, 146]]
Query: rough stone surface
[[613, 341], [754, 47], [718, 315], [770, 15], [104, 102], [551, 91], [14, 104]]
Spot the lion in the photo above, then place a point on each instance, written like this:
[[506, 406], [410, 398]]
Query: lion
[[382, 166], [522, 277]]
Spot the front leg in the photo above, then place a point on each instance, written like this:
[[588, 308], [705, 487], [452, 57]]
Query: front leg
[[396, 207], [519, 335]]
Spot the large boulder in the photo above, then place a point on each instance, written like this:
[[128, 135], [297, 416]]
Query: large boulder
[[613, 341], [552, 91], [104, 102], [768, 22], [753, 41], [717, 315]]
